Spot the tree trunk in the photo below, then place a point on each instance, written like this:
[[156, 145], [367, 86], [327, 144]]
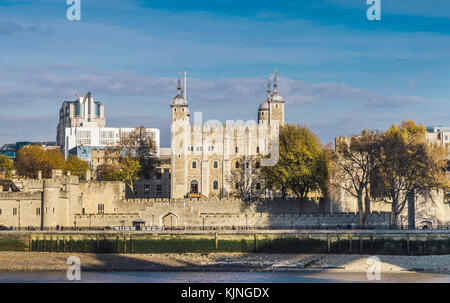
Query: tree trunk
[[360, 211], [394, 214], [366, 208]]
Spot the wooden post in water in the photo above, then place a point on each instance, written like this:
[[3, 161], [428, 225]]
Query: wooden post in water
[[124, 244], [131, 243], [360, 244], [117, 244], [328, 244], [51, 237], [70, 243], [338, 243], [84, 243], [408, 245], [255, 237], [216, 242], [349, 243], [97, 244], [57, 243], [371, 244]]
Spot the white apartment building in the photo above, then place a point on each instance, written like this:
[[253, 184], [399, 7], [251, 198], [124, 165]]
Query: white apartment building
[[99, 137]]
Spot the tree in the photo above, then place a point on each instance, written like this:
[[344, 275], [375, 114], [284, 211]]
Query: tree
[[302, 166], [32, 158], [245, 179], [408, 165], [6, 166], [77, 166], [354, 163], [136, 155]]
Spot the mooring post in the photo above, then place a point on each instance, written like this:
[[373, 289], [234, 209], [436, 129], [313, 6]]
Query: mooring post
[[216, 242], [371, 244], [360, 244], [97, 244], [349, 243], [70, 243], [84, 243], [255, 242], [117, 244], [57, 243], [131, 243], [338, 243], [408, 249], [124, 244], [328, 244], [51, 237]]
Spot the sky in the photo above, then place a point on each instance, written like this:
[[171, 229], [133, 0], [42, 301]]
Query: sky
[[339, 72]]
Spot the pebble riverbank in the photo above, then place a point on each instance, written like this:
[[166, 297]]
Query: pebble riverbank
[[41, 261]]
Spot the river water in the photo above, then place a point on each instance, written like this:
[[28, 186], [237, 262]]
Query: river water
[[220, 277]]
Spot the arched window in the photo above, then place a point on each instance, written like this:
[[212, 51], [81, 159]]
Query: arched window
[[257, 164], [216, 184], [194, 164], [215, 164], [237, 149], [257, 149], [237, 164]]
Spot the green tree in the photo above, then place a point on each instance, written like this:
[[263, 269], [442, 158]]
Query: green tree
[[77, 166], [302, 166], [137, 157], [6, 166], [408, 165]]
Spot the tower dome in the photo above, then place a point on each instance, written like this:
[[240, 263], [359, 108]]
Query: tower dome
[[276, 98], [179, 100]]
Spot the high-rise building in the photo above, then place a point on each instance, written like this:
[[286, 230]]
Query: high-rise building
[[83, 112]]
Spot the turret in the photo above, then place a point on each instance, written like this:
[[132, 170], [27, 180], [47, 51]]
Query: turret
[[263, 111], [276, 103]]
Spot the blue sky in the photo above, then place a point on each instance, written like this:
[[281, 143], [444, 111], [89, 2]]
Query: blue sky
[[340, 73]]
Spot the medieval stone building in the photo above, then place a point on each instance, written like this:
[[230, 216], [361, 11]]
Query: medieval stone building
[[219, 160]]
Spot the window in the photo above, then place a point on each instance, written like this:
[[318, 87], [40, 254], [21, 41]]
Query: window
[[236, 149], [246, 165], [101, 208], [257, 164], [216, 164], [216, 184], [146, 188], [258, 186], [0, 211], [158, 188], [158, 176], [194, 164], [237, 164], [14, 211], [257, 149], [236, 185], [53, 210]]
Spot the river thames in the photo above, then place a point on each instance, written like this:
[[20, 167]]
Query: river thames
[[221, 277]]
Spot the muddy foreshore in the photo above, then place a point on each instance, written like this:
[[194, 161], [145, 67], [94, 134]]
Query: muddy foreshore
[[41, 261]]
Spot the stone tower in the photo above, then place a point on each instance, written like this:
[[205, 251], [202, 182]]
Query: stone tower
[[263, 111], [276, 103], [180, 130]]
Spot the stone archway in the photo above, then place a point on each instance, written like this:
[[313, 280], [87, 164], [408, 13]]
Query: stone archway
[[170, 220], [194, 187]]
